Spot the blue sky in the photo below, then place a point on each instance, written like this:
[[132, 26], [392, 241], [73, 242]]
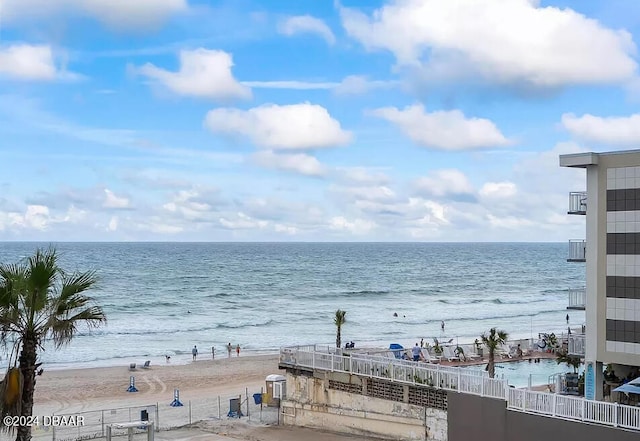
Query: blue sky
[[397, 120]]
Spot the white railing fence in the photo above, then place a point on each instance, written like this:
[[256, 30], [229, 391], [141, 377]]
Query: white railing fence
[[577, 297], [578, 202], [577, 250], [467, 381], [576, 344]]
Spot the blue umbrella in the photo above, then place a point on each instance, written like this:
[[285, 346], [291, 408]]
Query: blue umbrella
[[628, 388]]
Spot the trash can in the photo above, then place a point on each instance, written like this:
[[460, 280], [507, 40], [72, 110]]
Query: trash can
[[257, 398], [234, 408]]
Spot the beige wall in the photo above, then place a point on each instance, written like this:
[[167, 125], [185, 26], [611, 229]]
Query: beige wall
[[310, 403]]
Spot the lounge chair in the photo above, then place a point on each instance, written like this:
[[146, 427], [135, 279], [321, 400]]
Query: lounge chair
[[470, 354], [132, 366], [503, 351], [427, 357], [146, 364], [448, 353]]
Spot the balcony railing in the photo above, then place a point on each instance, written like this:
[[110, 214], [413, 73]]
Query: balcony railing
[[577, 202], [577, 250], [576, 344], [577, 298]]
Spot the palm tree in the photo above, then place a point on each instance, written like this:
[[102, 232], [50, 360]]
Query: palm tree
[[39, 302], [339, 320], [492, 341], [572, 361]]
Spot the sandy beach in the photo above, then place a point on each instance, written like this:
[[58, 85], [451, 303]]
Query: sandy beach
[[78, 390], [82, 391]]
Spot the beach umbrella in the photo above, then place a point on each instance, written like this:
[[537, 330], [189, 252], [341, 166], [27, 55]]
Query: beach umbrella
[[635, 381], [629, 388]]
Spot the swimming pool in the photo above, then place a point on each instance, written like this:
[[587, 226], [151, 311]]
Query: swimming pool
[[518, 372]]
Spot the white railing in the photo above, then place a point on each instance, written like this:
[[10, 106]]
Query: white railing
[[577, 297], [466, 381], [577, 202], [575, 408], [577, 250], [576, 344], [442, 377]]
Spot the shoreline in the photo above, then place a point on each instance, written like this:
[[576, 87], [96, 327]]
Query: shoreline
[[184, 358]]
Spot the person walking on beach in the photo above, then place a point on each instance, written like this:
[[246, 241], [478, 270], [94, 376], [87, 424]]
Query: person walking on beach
[[567, 319], [229, 349], [237, 350], [442, 325], [194, 352]]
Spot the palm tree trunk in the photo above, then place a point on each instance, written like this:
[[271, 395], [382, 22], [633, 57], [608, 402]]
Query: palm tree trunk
[[492, 366], [338, 338], [27, 367]]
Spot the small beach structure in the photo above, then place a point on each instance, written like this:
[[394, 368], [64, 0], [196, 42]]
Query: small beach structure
[[276, 389], [397, 349]]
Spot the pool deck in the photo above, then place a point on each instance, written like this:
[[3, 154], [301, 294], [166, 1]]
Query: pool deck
[[499, 359]]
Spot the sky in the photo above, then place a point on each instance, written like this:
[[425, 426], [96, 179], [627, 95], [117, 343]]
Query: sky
[[308, 120]]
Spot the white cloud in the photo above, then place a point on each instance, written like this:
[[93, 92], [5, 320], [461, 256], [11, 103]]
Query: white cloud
[[498, 190], [444, 130], [445, 182], [350, 85], [361, 175], [203, 73], [300, 24], [298, 163], [30, 63], [513, 41], [355, 226], [287, 127], [119, 14], [622, 130], [243, 222], [360, 84], [190, 205], [113, 201], [113, 224], [36, 217], [510, 222], [366, 193]]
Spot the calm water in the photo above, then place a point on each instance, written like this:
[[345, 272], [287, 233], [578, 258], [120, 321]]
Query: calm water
[[162, 298], [518, 372]]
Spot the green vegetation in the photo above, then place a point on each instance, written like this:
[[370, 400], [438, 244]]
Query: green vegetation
[[39, 302]]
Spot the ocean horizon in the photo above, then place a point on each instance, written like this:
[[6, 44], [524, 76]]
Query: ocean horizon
[[162, 298]]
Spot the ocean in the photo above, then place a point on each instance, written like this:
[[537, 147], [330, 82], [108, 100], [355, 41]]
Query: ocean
[[164, 298]]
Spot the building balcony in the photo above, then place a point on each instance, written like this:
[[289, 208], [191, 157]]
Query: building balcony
[[577, 250], [577, 202], [577, 298], [576, 344]]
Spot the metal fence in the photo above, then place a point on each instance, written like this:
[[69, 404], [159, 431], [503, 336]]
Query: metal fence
[[467, 381], [163, 415]]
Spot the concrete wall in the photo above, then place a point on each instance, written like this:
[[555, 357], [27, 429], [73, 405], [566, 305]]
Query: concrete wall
[[473, 417], [311, 402]]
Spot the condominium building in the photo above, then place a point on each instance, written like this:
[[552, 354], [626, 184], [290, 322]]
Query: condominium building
[[611, 252]]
